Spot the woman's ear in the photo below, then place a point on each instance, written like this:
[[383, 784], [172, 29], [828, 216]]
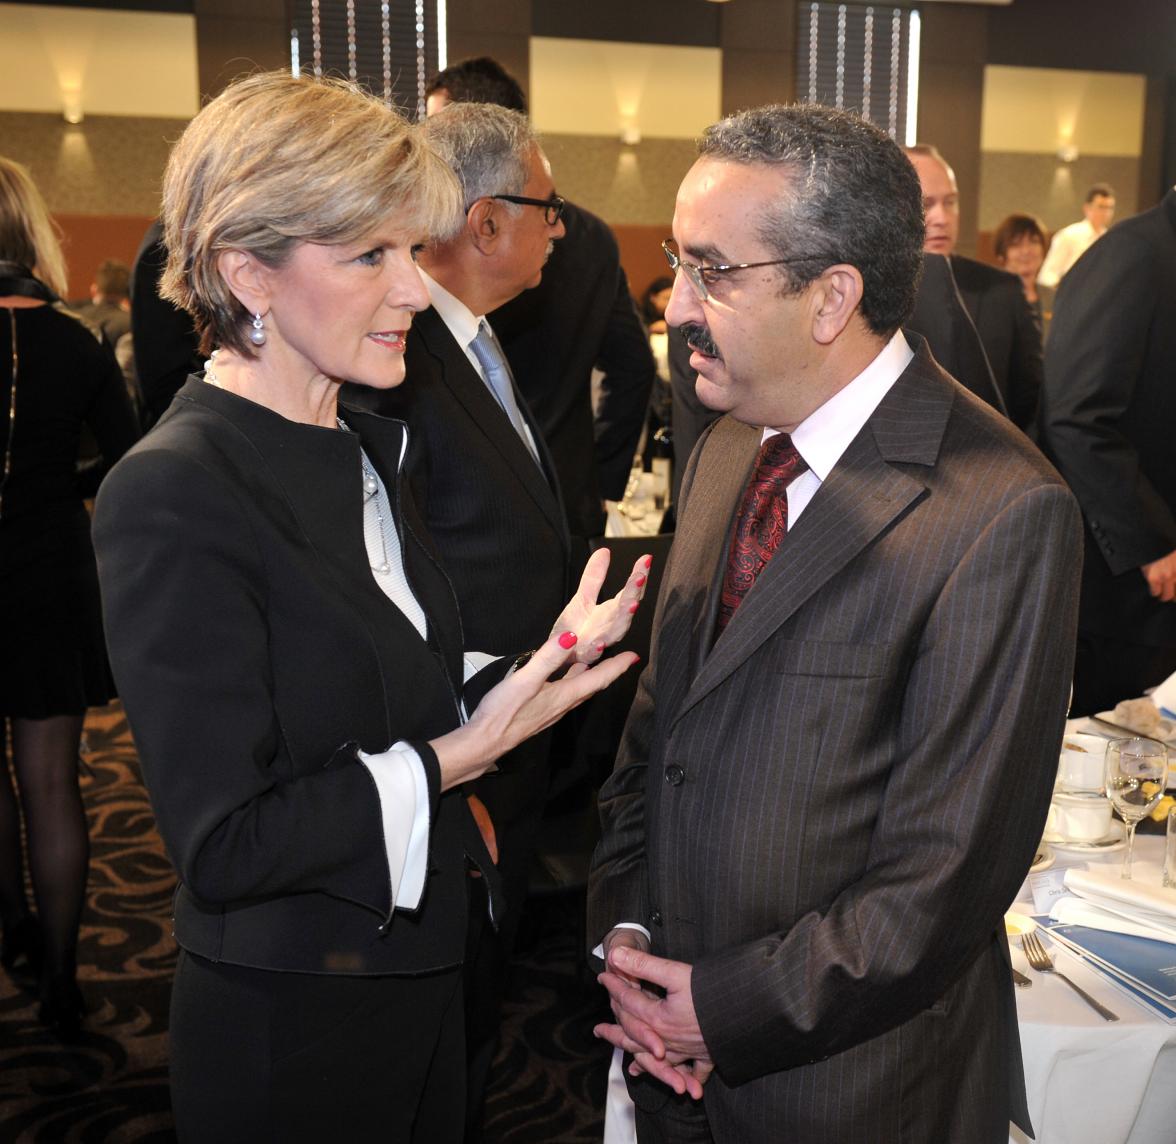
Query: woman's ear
[[838, 298], [247, 278]]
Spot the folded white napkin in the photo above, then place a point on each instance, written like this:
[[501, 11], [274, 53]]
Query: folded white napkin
[[1075, 911], [1138, 904]]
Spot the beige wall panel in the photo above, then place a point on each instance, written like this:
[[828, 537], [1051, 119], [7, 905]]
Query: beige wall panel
[[118, 63], [594, 87], [1037, 110]]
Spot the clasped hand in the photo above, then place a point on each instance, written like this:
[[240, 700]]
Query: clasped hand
[[661, 1032]]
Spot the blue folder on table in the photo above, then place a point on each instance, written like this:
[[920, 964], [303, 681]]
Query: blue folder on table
[[1142, 964]]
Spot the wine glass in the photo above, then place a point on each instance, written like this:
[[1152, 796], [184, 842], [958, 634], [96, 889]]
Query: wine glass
[[1136, 772]]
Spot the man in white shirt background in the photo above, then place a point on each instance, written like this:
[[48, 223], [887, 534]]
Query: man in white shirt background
[[1071, 242]]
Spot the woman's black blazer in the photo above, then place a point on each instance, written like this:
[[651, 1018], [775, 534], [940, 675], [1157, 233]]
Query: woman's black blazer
[[254, 652]]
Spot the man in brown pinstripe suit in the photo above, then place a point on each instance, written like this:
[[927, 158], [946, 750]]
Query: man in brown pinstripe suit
[[820, 812]]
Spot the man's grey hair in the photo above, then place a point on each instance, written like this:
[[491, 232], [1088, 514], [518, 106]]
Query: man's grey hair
[[488, 147], [850, 196]]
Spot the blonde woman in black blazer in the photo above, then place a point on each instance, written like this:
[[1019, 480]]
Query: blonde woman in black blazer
[[289, 649]]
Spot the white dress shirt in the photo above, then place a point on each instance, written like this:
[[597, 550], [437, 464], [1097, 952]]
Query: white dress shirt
[[1066, 247], [463, 324]]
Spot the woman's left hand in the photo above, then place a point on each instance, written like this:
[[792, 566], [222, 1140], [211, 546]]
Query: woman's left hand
[[600, 625]]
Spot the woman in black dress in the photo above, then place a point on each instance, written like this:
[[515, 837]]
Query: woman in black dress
[[55, 377]]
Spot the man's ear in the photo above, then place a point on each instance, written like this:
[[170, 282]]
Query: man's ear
[[247, 278], [837, 298], [482, 226]]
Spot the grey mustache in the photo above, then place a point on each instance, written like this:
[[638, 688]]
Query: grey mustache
[[698, 338]]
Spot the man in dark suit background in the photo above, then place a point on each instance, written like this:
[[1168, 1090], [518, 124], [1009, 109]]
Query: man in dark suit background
[[1108, 414], [993, 297], [166, 347], [840, 758], [579, 318], [484, 479]]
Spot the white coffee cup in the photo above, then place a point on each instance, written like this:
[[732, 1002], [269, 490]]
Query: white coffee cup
[[1078, 817], [1080, 765]]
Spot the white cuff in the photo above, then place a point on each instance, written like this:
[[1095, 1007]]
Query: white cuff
[[474, 661], [599, 950], [403, 791]]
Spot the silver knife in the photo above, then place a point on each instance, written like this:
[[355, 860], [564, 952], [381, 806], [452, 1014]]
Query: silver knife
[[1113, 726], [1020, 979]]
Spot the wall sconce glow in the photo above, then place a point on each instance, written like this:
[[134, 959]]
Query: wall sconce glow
[[1067, 153], [630, 133], [914, 36], [71, 103]]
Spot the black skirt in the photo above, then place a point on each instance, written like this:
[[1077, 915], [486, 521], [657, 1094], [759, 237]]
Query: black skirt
[[52, 651]]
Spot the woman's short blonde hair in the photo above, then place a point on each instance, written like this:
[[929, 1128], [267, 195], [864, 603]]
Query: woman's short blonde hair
[[277, 160], [27, 233]]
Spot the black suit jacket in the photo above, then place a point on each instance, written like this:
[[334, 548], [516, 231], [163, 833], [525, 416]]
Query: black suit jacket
[[493, 514], [941, 317], [166, 347], [827, 812], [1011, 338], [254, 652], [580, 317], [1109, 415]]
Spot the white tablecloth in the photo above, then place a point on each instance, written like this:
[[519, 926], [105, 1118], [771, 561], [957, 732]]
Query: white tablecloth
[[1089, 1081], [1092, 1081]]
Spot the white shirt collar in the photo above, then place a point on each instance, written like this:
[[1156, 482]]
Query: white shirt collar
[[826, 433], [461, 322]]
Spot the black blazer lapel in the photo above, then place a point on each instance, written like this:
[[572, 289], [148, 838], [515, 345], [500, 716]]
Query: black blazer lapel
[[463, 382], [383, 439]]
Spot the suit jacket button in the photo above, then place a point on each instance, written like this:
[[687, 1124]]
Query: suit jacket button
[[655, 918], [675, 774]]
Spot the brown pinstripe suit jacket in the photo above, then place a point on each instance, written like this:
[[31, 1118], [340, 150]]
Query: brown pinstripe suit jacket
[[827, 811]]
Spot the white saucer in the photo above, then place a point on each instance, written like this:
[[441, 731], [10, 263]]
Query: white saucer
[[1114, 839], [1043, 859]]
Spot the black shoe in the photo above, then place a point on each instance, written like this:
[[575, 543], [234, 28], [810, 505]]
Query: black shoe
[[62, 1007], [22, 944]]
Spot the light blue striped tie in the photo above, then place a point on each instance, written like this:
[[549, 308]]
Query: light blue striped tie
[[494, 365]]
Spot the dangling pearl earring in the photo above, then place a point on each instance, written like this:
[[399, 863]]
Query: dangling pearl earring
[[257, 334]]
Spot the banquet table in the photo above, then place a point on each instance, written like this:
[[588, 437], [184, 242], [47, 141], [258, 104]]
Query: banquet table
[[1088, 1081], [1091, 1081]]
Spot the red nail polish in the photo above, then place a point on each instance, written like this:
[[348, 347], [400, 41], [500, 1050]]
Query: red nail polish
[[648, 562], [567, 640], [632, 609], [640, 581]]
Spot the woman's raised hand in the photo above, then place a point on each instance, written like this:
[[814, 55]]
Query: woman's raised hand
[[600, 625], [529, 700]]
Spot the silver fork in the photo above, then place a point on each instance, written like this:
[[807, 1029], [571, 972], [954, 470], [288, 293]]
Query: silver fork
[[1040, 960]]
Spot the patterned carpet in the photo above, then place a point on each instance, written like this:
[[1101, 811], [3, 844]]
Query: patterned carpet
[[110, 1087]]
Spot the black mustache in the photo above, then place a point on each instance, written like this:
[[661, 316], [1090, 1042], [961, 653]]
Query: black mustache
[[698, 338]]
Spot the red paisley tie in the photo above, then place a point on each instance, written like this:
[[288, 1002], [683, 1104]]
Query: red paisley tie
[[762, 523]]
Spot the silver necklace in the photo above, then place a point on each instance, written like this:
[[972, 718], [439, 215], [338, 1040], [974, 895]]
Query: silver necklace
[[371, 503]]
